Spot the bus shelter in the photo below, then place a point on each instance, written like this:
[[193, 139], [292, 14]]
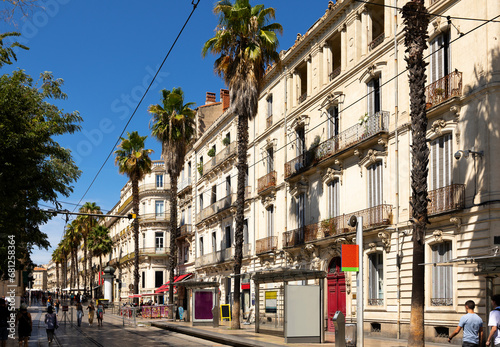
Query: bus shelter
[[203, 302], [299, 307]]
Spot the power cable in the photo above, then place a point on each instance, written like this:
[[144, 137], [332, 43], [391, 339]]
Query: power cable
[[195, 5]]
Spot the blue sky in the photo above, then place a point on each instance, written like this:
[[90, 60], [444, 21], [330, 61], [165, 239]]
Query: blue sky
[[107, 53]]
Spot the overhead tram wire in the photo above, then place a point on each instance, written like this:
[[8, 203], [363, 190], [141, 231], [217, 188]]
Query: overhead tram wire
[[195, 5], [430, 14], [363, 97]]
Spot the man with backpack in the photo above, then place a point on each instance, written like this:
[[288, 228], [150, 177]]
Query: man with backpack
[[494, 322]]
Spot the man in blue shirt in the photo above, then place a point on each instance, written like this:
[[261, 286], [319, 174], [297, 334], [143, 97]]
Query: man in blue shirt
[[472, 325]]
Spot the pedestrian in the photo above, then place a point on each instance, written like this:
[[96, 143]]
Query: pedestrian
[[494, 322], [24, 325], [4, 322], [472, 325], [50, 323], [91, 309], [100, 313], [49, 302], [79, 313], [57, 304]]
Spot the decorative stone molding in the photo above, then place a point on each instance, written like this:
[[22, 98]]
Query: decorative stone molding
[[299, 121], [438, 126], [298, 38], [372, 156], [385, 237], [455, 110], [300, 187], [372, 246], [457, 221], [383, 143], [269, 200], [438, 236], [348, 284], [332, 175]]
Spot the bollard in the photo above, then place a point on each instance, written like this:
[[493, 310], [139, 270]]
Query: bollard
[[339, 323]]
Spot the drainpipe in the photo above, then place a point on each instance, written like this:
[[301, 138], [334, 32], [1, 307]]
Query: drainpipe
[[286, 190], [396, 163]]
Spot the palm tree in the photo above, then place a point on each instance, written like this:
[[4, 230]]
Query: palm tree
[[74, 238], [64, 249], [173, 125], [88, 222], [57, 259], [133, 160], [246, 43], [416, 20], [100, 243]]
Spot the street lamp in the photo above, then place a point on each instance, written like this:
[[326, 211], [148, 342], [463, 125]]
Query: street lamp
[[465, 153]]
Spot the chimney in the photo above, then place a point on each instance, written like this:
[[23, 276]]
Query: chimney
[[224, 98], [210, 98]]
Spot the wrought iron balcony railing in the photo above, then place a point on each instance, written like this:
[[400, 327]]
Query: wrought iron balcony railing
[[377, 123], [266, 182], [299, 164], [443, 89], [302, 98], [221, 256], [218, 206], [376, 41], [376, 302], [335, 73], [183, 184], [442, 301], [449, 198], [266, 244], [227, 152], [153, 186], [154, 251], [154, 217], [185, 230]]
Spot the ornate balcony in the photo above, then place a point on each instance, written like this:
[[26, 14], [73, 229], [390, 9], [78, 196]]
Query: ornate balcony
[[299, 164], [185, 230], [446, 199], [154, 217], [222, 156], [152, 186], [376, 302], [443, 89], [266, 182], [335, 73], [376, 41], [184, 184], [150, 251], [221, 256], [218, 206], [266, 244], [377, 123], [302, 98]]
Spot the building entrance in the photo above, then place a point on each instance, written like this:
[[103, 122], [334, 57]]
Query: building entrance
[[336, 291]]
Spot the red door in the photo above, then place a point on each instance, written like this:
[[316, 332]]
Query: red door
[[336, 291]]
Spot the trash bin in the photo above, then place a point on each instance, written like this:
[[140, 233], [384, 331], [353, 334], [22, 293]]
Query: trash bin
[[339, 323], [350, 334]]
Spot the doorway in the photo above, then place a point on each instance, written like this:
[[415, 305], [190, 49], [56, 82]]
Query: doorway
[[336, 291]]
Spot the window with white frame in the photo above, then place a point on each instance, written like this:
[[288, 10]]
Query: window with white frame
[[202, 249], [439, 57], [374, 97], [159, 208], [270, 220], [375, 187], [376, 279], [442, 275], [441, 163], [159, 241], [159, 181], [333, 198]]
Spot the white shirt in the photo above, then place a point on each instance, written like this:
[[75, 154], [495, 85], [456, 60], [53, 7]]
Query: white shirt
[[494, 321]]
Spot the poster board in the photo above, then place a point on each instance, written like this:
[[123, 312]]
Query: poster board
[[203, 303], [225, 312], [303, 314], [271, 297]]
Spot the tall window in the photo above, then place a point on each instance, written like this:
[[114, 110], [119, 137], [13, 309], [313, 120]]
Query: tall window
[[201, 246], [270, 105], [159, 181], [374, 97], [159, 208], [228, 236], [440, 57], [201, 201], [442, 276], [441, 162], [301, 215], [183, 217], [189, 172], [376, 279], [214, 242], [270, 221], [189, 217], [300, 140], [158, 279], [186, 254], [143, 208], [375, 185], [213, 198], [143, 240], [333, 122], [159, 241], [270, 160], [333, 198], [228, 185], [143, 279], [245, 231]]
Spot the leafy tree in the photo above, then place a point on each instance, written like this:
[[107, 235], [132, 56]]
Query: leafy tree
[[416, 20], [173, 125], [33, 166], [246, 43], [134, 161]]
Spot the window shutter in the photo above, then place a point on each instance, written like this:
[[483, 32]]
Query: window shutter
[[370, 98]]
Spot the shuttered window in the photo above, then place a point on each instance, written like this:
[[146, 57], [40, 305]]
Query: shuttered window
[[301, 210], [270, 106], [441, 162], [376, 279], [440, 57], [442, 275], [333, 122], [375, 187], [270, 160], [374, 96], [300, 141], [333, 198], [270, 221]]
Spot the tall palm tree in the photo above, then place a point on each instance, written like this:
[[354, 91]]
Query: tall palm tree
[[246, 43], [57, 259], [134, 161], [416, 20], [173, 125], [74, 237], [64, 251], [88, 222], [100, 243]]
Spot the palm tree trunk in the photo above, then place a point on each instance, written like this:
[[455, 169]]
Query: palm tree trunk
[[85, 259], [416, 20], [135, 223], [240, 214], [57, 276], [77, 275], [92, 274], [172, 261]]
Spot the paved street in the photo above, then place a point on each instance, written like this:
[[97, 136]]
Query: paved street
[[111, 334]]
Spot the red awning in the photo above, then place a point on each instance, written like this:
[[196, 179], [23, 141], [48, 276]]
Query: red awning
[[166, 286], [135, 296]]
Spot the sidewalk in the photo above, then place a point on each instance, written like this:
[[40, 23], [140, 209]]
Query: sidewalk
[[246, 336]]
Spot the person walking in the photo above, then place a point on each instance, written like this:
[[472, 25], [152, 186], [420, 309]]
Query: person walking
[[100, 313], [4, 322], [57, 304], [91, 309], [472, 325], [494, 322], [50, 323], [24, 325], [79, 313]]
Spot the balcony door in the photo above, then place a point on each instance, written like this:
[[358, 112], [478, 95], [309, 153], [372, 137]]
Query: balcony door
[[333, 122], [159, 209], [375, 184], [441, 173], [440, 57], [374, 96], [159, 242], [270, 160]]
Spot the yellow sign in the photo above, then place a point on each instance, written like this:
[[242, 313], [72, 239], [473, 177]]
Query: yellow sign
[[225, 312]]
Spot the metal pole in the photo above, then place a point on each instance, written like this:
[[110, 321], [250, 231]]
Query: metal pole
[[359, 282]]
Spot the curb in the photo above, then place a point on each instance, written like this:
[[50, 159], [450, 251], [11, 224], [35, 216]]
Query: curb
[[213, 336]]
